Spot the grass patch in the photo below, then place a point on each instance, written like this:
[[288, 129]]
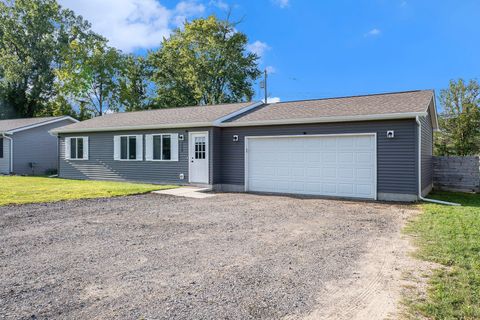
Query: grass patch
[[20, 190], [450, 236]]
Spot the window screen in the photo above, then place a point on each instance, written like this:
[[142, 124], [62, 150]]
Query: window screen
[[157, 147], [132, 148], [1, 148], [166, 147], [124, 148], [73, 148]]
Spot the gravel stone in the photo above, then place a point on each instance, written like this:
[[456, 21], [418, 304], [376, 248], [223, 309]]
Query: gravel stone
[[233, 256]]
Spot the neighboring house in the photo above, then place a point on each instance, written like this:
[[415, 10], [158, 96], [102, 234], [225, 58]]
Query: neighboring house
[[26, 147], [355, 147]]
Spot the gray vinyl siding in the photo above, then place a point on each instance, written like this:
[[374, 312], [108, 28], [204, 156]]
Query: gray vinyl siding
[[36, 145], [427, 151], [396, 158], [5, 160], [102, 166]]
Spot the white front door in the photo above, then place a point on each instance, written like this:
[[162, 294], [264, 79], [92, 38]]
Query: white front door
[[198, 157], [329, 165]]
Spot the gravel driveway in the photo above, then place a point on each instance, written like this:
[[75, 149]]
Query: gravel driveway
[[233, 256]]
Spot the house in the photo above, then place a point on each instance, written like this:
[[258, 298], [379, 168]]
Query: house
[[26, 147], [375, 146]]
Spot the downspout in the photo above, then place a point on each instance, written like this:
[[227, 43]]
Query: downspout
[[11, 150], [420, 170]]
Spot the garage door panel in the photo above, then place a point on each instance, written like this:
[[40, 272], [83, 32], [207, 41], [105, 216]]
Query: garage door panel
[[329, 143], [346, 188], [329, 157], [364, 157], [329, 172], [346, 157], [346, 173], [364, 174], [329, 188], [364, 142], [317, 165]]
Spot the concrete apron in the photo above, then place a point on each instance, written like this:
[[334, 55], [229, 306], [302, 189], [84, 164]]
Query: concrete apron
[[188, 192]]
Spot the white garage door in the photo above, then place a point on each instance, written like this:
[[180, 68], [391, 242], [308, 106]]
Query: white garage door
[[340, 165]]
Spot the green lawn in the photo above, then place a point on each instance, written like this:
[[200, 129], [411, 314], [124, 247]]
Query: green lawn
[[18, 190], [450, 236]]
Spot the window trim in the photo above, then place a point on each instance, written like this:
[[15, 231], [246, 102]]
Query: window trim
[[161, 151], [85, 148], [128, 146]]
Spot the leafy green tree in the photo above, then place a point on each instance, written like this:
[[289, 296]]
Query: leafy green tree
[[134, 84], [90, 75], [34, 36], [460, 120], [206, 62]]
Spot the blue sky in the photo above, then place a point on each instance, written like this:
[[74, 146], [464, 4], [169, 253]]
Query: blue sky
[[319, 49]]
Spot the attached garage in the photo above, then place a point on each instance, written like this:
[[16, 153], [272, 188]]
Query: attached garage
[[327, 165]]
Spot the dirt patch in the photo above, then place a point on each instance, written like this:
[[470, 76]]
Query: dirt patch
[[232, 256]]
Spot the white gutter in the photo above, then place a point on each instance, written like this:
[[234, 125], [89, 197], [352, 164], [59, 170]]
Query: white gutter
[[420, 170], [142, 127], [11, 150]]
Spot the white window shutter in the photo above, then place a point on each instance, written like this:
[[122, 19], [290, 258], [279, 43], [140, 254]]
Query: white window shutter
[[67, 148], [149, 147], [139, 147], [85, 148], [116, 148], [174, 146]]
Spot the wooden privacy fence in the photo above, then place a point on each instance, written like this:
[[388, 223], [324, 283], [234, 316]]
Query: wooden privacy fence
[[456, 173]]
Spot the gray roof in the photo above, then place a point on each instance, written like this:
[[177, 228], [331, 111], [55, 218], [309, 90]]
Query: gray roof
[[16, 124], [368, 105], [169, 117], [377, 106]]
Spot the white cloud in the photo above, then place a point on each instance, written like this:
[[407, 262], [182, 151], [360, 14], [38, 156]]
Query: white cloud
[[373, 33], [272, 100], [258, 47], [186, 9], [281, 3], [133, 24], [222, 5]]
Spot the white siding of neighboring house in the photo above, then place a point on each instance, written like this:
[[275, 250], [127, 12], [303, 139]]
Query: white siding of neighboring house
[[5, 161]]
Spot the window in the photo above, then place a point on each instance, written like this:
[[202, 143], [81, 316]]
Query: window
[[1, 148], [76, 148], [162, 147], [200, 145], [128, 147]]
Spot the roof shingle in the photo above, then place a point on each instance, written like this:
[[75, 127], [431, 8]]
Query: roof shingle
[[377, 104], [192, 116], [14, 124]]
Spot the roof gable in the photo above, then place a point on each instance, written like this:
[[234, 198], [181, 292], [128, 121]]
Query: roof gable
[[15, 125]]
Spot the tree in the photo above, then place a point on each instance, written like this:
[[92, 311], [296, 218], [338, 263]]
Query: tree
[[134, 84], [90, 76], [204, 63], [34, 34], [460, 120]]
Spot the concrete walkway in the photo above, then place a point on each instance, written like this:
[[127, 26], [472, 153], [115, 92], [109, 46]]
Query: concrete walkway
[[188, 192]]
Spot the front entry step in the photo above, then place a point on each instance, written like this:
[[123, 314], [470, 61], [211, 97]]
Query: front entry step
[[188, 192]]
